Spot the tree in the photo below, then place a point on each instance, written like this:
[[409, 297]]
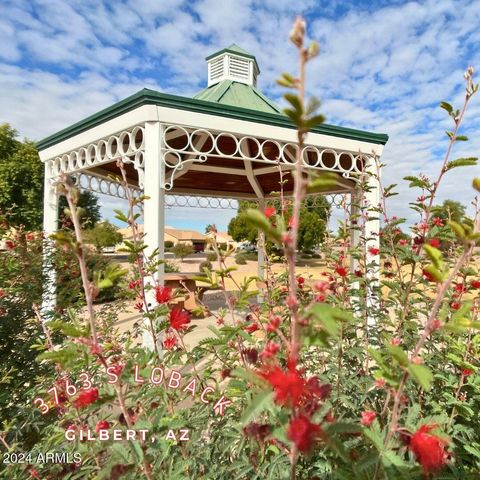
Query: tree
[[88, 202], [182, 250], [102, 235], [450, 210], [21, 184], [239, 228], [21, 180], [314, 217]]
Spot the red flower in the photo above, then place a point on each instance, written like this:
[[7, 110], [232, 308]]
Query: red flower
[[169, 342], [358, 273], [274, 324], [429, 449], [455, 305], [138, 306], [179, 318], [380, 383], [300, 281], [9, 244], [102, 425], [367, 418], [467, 372], [117, 369], [253, 327], [134, 284], [437, 221], [2, 293], [29, 236], [270, 350], [402, 242], [460, 287], [373, 251], [475, 283], [86, 397], [289, 386], [269, 211], [428, 276], [434, 242], [34, 473], [342, 271], [163, 294], [321, 286], [303, 433]]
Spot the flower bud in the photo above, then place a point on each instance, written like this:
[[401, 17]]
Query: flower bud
[[297, 33]]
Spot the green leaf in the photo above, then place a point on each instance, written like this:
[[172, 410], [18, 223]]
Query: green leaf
[[434, 254], [436, 274], [398, 354], [65, 328], [295, 101], [476, 184], [416, 182], [422, 375], [446, 106], [138, 450], [461, 138], [258, 404], [461, 162], [313, 121], [259, 220], [457, 228], [322, 182]]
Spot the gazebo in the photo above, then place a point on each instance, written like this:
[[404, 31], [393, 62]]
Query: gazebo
[[229, 141]]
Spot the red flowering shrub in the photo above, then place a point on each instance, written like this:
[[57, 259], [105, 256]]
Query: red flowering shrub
[[163, 294], [179, 318], [429, 449], [86, 398], [367, 418], [303, 433]]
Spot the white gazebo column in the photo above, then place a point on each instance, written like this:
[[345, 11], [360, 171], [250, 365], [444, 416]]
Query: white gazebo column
[[154, 211], [261, 245], [50, 225], [372, 238], [355, 237]]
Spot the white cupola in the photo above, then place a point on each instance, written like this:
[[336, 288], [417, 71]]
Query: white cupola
[[232, 63]]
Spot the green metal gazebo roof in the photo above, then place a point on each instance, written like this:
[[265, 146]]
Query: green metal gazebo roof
[[237, 94], [151, 97]]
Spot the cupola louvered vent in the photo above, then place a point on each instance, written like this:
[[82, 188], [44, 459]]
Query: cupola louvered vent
[[232, 63]]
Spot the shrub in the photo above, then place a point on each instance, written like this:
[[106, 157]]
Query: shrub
[[205, 265], [168, 244], [241, 259], [182, 250], [211, 256], [102, 235], [170, 267]]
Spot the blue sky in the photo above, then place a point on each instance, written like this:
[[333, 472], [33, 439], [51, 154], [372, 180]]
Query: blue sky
[[384, 66]]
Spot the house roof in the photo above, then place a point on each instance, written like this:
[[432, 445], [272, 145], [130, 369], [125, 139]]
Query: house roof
[[174, 232], [185, 234], [237, 94], [152, 97]]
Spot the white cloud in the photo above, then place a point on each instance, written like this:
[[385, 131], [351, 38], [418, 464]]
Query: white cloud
[[383, 67]]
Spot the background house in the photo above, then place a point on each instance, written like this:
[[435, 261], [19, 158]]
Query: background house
[[193, 238]]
